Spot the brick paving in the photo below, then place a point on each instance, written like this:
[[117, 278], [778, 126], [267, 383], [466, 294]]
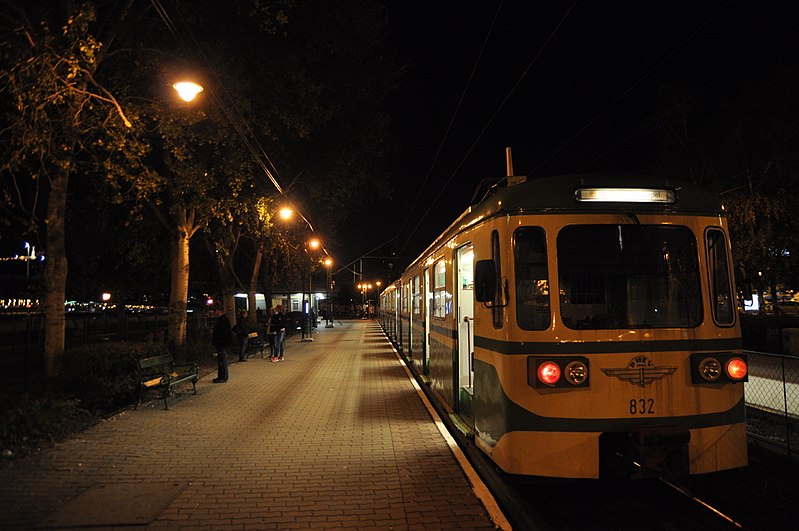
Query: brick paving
[[334, 437]]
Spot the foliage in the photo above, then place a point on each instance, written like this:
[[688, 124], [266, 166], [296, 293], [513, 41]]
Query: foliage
[[104, 376], [739, 140], [30, 420]]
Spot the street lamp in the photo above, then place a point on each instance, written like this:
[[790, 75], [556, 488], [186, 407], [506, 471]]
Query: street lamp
[[187, 90], [377, 298], [329, 317], [313, 244], [364, 289]]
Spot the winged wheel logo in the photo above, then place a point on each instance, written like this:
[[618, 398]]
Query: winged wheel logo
[[640, 371]]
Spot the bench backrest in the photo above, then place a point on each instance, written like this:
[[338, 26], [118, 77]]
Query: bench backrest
[[155, 361]]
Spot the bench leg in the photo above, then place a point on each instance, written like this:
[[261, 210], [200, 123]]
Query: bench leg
[[166, 397]]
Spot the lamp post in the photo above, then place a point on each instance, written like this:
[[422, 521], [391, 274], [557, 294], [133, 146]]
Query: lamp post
[[364, 288], [329, 316], [377, 297], [312, 245]]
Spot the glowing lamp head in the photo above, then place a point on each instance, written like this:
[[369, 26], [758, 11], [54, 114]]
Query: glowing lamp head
[[314, 244], [187, 90], [286, 213]]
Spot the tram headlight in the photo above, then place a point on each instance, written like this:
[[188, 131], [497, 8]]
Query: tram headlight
[[710, 369], [576, 372], [719, 367], [560, 372]]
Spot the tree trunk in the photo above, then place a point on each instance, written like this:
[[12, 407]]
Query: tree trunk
[[252, 318], [55, 273], [228, 285], [179, 288]]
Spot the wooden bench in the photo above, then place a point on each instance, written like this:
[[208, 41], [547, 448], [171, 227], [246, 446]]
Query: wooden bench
[[161, 373]]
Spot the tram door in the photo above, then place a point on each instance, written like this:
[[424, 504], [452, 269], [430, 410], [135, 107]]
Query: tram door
[[428, 307], [465, 315]]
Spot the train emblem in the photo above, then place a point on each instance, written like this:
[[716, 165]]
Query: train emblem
[[640, 371]]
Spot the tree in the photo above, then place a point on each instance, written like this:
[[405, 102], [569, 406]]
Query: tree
[[60, 120], [740, 140]]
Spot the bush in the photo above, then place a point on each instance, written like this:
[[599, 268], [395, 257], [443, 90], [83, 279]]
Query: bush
[[27, 422], [104, 376], [195, 351]]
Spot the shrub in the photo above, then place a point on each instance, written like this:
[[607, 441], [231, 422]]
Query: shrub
[[29, 421], [195, 351], [104, 376]]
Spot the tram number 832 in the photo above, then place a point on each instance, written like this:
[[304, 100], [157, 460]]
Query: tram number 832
[[642, 406]]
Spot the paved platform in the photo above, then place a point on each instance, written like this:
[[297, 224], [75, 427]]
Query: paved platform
[[334, 437]]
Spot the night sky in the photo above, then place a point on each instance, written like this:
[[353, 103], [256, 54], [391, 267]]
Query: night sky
[[571, 87]]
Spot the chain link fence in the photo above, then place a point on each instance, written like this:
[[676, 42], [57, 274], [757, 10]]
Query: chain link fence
[[772, 399]]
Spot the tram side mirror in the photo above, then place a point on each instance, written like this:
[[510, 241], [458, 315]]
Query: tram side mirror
[[485, 281]]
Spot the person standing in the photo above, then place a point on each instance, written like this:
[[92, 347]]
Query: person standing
[[278, 324], [242, 332], [271, 333], [220, 338]]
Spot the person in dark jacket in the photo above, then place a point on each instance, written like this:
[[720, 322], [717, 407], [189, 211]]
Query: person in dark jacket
[[278, 324], [220, 338]]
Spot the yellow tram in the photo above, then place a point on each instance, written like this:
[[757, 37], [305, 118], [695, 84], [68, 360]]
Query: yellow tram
[[583, 327]]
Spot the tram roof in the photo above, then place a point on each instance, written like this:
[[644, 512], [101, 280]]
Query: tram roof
[[557, 194]]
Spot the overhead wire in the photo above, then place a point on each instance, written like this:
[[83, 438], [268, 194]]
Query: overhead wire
[[451, 121], [244, 131]]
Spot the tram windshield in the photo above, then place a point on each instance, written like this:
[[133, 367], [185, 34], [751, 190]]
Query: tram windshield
[[628, 276]]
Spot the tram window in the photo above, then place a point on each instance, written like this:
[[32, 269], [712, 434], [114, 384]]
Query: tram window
[[720, 287], [439, 289], [417, 296], [628, 276], [498, 309], [532, 278]]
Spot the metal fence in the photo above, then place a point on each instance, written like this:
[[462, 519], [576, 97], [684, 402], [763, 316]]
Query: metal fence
[[772, 399], [22, 335]]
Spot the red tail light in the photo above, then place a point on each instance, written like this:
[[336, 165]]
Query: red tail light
[[549, 373], [737, 369]]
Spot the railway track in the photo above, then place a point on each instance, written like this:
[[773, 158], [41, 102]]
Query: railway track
[[759, 497], [622, 506]]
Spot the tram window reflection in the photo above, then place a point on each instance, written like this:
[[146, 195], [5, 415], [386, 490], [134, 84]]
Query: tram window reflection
[[532, 279], [628, 276]]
